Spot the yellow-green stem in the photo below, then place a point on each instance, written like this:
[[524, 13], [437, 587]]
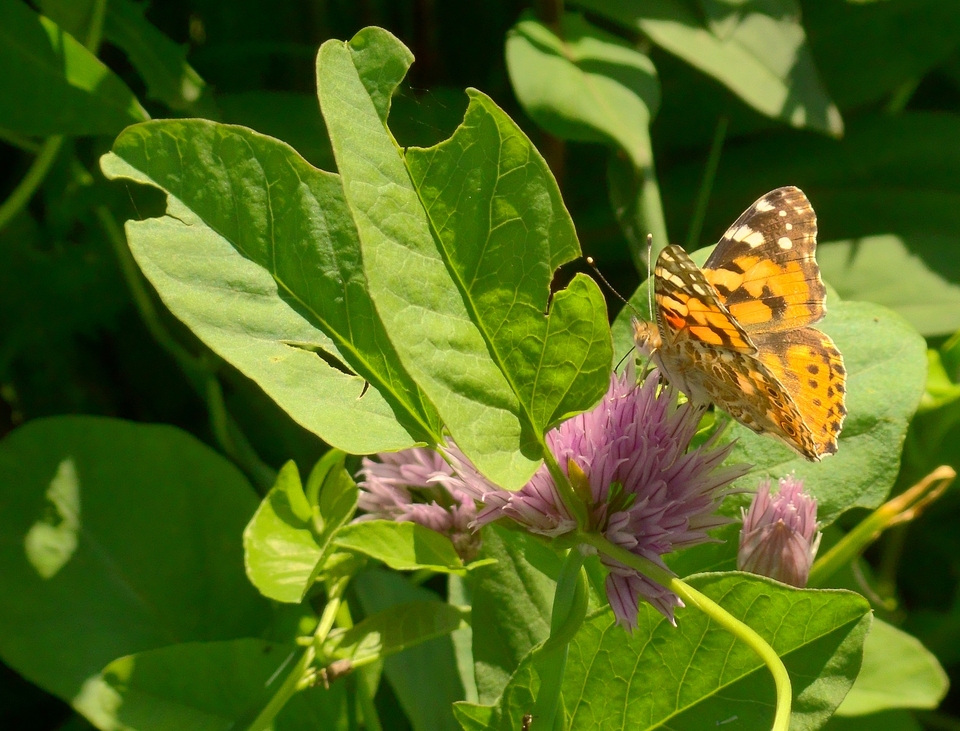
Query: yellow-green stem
[[25, 189], [714, 611]]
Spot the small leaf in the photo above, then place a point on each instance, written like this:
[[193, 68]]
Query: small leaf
[[757, 50], [915, 680], [584, 84], [52, 84], [284, 547], [100, 541], [696, 674], [403, 546], [258, 255], [395, 629]]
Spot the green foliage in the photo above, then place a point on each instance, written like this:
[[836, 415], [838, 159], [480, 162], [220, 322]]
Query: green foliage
[[398, 266], [610, 675]]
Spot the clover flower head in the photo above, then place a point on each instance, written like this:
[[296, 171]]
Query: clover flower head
[[648, 492], [779, 536], [413, 485]]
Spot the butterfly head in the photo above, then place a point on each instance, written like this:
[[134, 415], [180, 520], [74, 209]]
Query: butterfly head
[[646, 336]]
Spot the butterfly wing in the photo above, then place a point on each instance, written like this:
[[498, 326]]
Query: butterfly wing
[[764, 270]]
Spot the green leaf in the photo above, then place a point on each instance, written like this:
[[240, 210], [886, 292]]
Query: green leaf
[[885, 360], [249, 220], [758, 50], [503, 249], [915, 680], [285, 547], [584, 84], [121, 537], [395, 629], [883, 721], [882, 269], [696, 675], [485, 395], [52, 84], [160, 61], [512, 605], [403, 546], [866, 51], [211, 686], [896, 175], [424, 678]]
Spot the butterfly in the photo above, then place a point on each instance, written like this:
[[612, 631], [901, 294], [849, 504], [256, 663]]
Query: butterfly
[[737, 332]]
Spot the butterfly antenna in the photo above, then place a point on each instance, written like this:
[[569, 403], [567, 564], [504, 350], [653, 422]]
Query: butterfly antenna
[[650, 274], [593, 265]]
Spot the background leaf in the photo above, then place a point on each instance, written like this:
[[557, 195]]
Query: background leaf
[[53, 85], [156, 559], [404, 546]]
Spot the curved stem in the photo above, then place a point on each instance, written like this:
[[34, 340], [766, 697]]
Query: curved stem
[[714, 611], [565, 490], [25, 189]]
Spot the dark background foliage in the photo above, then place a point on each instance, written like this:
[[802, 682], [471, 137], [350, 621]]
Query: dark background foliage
[[72, 341]]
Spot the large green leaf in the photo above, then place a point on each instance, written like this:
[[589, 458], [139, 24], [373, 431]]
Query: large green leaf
[[443, 307], [883, 721], [258, 255], [696, 675], [209, 686], [288, 539], [116, 538], [756, 49], [584, 84], [914, 680], [424, 678], [52, 84], [503, 229], [885, 360], [889, 175], [512, 605]]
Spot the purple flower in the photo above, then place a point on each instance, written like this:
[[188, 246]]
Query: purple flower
[[413, 485], [777, 538], [647, 492]]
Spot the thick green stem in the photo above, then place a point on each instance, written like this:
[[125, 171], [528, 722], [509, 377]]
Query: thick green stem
[[714, 611], [904, 507], [569, 609], [568, 496], [706, 183]]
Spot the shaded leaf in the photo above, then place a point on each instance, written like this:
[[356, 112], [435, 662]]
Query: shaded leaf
[[258, 255], [155, 517], [757, 49], [696, 674], [52, 84], [424, 678], [584, 84], [915, 680], [393, 630]]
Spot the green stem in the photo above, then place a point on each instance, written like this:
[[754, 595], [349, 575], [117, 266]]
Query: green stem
[[569, 609], [904, 507], [291, 683], [714, 611], [25, 189], [706, 184], [15, 139]]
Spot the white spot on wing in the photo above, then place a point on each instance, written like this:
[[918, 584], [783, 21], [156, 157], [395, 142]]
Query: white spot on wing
[[783, 214], [788, 226], [754, 239], [763, 205], [784, 243]]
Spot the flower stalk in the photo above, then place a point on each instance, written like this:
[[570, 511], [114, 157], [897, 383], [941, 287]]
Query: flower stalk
[[714, 611], [903, 508]]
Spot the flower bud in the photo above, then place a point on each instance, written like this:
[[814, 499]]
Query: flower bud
[[779, 536]]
